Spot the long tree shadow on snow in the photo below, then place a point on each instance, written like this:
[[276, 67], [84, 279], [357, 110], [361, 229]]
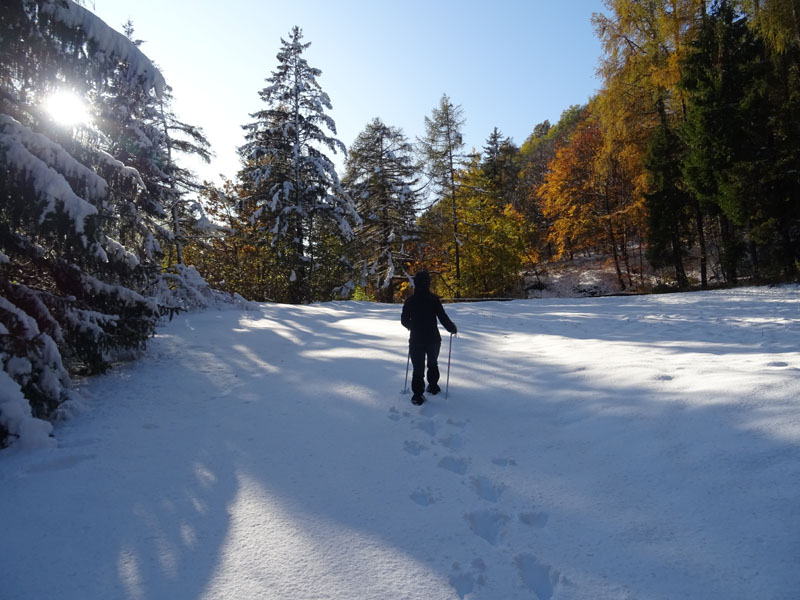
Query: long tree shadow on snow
[[267, 397], [610, 435]]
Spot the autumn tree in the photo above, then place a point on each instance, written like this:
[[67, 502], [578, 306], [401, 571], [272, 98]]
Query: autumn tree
[[492, 233], [589, 199], [644, 43], [443, 155], [778, 21], [534, 159]]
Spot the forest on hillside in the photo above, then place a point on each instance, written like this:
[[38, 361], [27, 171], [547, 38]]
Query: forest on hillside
[[683, 171]]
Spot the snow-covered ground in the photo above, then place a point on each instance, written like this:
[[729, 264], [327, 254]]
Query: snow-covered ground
[[609, 448]]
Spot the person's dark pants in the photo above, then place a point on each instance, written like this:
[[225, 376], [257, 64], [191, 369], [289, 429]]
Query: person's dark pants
[[418, 353]]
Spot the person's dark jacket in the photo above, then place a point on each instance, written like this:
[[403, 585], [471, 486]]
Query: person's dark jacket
[[419, 316]]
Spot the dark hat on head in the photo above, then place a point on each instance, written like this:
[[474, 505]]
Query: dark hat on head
[[422, 279]]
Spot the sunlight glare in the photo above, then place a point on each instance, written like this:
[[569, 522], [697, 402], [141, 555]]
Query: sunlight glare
[[67, 109]]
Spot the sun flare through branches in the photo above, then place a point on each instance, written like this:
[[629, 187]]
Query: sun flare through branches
[[67, 109]]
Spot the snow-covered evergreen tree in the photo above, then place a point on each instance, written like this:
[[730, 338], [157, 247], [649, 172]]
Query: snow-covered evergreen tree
[[381, 177], [149, 137], [80, 260], [292, 179]]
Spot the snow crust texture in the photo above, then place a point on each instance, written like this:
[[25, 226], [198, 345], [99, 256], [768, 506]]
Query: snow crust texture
[[609, 448]]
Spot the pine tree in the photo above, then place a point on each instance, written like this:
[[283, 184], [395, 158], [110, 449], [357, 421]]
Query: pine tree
[[500, 164], [381, 177], [152, 139], [72, 292], [667, 203], [294, 181], [442, 150], [740, 139]]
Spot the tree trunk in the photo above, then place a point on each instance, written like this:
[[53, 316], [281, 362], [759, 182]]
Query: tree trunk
[[701, 242]]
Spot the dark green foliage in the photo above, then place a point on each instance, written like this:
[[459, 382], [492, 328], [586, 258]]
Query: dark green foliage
[[667, 204], [743, 144], [381, 177], [81, 231]]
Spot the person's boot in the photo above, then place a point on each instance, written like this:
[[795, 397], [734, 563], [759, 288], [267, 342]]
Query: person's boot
[[417, 399], [434, 388]]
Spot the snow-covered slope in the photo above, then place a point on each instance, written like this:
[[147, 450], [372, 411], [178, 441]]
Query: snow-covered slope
[[612, 448]]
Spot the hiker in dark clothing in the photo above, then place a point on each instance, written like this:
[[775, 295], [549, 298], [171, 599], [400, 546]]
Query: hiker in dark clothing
[[419, 316]]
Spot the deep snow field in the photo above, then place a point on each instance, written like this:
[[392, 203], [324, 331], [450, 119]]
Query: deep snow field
[[607, 448]]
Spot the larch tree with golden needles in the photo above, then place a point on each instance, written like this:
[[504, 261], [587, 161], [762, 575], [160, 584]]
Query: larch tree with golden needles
[[442, 150], [644, 42]]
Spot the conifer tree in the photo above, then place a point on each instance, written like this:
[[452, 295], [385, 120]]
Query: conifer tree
[[82, 207], [295, 186], [442, 152], [667, 202], [500, 164], [739, 137], [72, 289], [381, 177]]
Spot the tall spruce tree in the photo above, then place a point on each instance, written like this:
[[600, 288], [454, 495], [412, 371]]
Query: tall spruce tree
[[381, 177], [82, 207], [300, 200], [667, 203], [741, 134], [500, 164], [442, 149], [72, 285], [151, 138], [714, 76]]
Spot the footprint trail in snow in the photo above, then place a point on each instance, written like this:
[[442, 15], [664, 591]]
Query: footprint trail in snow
[[443, 446]]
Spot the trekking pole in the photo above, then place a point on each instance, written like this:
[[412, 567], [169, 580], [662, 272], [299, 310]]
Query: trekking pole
[[405, 385], [449, 352]]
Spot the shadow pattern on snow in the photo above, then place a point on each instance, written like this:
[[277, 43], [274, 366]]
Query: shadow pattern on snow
[[274, 459]]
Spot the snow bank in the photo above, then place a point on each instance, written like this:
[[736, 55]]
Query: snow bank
[[182, 288], [16, 417]]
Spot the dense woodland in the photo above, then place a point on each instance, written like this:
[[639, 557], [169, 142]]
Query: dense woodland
[[683, 171]]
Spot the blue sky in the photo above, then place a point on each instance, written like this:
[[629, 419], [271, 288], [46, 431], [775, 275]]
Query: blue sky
[[509, 64]]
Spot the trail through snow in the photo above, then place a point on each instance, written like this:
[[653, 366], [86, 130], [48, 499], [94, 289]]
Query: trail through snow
[[614, 448]]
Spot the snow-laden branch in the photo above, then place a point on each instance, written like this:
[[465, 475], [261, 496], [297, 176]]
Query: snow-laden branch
[[49, 185], [108, 41], [53, 155]]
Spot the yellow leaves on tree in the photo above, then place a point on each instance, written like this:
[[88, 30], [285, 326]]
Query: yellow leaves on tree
[[491, 239], [644, 42], [589, 198]]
